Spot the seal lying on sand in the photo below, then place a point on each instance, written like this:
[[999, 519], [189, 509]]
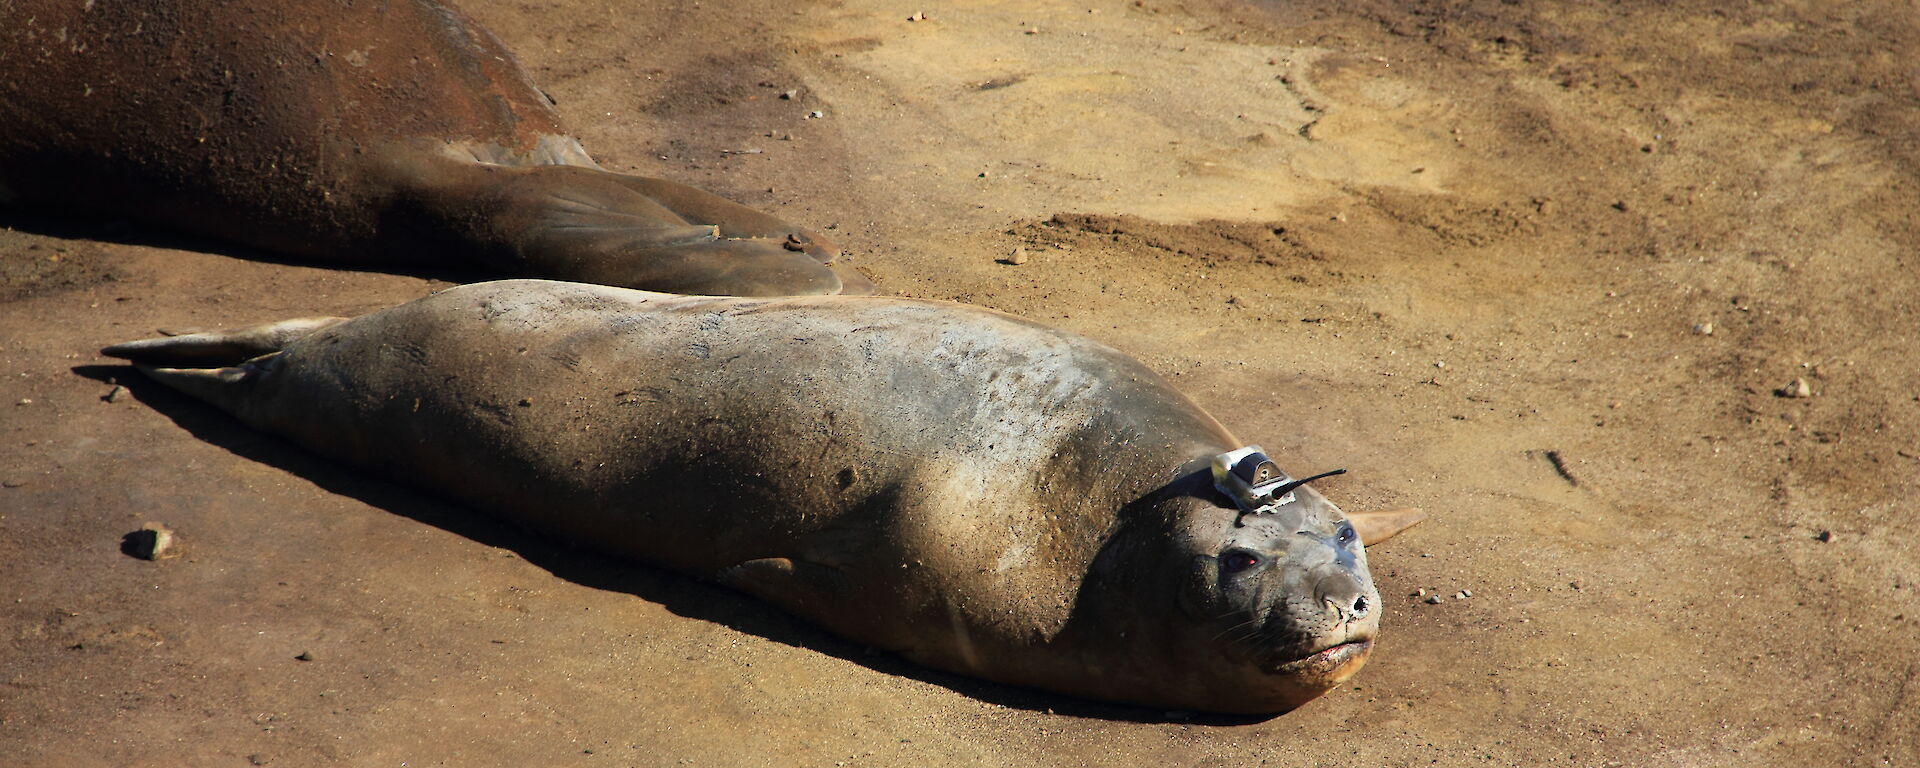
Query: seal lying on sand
[[977, 492], [358, 133]]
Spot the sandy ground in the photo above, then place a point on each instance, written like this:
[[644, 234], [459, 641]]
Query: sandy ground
[[1548, 272]]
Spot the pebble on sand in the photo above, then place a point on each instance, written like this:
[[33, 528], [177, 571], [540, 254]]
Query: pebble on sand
[[152, 542], [1795, 389], [1017, 258]]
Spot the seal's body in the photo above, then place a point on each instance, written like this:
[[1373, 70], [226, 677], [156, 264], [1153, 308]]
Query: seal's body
[[396, 132], [974, 491]]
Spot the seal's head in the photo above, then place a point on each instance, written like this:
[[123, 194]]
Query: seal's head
[[1284, 586], [1276, 603]]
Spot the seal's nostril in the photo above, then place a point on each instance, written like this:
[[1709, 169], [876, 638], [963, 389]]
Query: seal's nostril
[[1360, 605]]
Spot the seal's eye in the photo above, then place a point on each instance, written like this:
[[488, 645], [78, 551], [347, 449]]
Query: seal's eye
[[1346, 533], [1238, 561]]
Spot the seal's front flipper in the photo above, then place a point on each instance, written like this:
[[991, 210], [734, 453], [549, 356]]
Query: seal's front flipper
[[709, 268], [592, 226], [1376, 527], [796, 585], [852, 283], [218, 348], [735, 221]]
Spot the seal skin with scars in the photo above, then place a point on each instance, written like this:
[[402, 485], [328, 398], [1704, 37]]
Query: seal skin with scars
[[979, 493], [389, 132]]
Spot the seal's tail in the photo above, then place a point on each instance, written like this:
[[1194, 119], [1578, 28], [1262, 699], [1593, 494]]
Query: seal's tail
[[217, 348]]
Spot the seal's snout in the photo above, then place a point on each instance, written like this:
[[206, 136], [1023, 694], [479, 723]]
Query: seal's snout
[[1345, 597]]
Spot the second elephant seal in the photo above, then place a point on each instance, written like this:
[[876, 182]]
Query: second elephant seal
[[371, 133]]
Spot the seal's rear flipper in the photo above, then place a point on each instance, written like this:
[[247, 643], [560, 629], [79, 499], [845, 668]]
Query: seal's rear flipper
[[217, 348], [222, 387], [1376, 527]]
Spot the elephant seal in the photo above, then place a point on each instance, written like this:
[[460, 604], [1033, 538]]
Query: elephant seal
[[375, 133], [979, 493]]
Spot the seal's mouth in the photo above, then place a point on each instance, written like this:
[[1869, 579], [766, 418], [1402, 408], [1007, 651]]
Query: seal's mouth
[[1333, 663]]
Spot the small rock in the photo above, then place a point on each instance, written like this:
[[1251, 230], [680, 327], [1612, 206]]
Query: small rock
[[788, 95], [1576, 584], [152, 542], [815, 115], [115, 395], [1033, 30], [1620, 205], [917, 16], [1434, 600], [1797, 388], [1017, 258], [258, 759], [305, 656], [1421, 592], [12, 482], [1823, 536], [1703, 329], [526, 402], [1466, 593], [1461, 595], [25, 401]]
